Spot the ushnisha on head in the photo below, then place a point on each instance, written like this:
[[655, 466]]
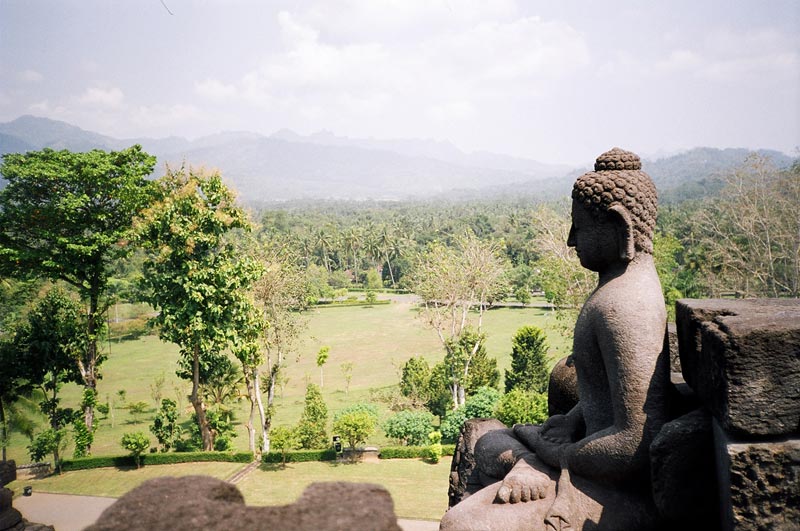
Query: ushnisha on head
[[619, 183]]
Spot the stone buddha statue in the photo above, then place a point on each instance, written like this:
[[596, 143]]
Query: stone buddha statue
[[589, 468]]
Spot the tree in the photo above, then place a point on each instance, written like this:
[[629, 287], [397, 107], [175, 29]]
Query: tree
[[529, 363], [165, 426], [751, 232], [136, 443], [565, 283], [409, 427], [45, 346], [322, 358], [67, 216], [311, 430], [415, 380], [347, 373], [452, 281], [194, 275], [284, 439], [281, 293]]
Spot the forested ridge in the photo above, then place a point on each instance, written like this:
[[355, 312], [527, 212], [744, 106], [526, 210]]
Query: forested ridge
[[229, 280]]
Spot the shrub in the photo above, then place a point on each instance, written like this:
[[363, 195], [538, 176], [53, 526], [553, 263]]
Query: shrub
[[136, 409], [136, 443], [119, 461], [479, 405], [283, 439], [300, 456], [433, 453], [165, 426], [355, 424], [519, 406], [311, 431], [409, 427]]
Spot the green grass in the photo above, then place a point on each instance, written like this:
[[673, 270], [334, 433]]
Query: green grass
[[377, 340], [115, 482], [418, 489]]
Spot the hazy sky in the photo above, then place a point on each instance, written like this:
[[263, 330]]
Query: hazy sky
[[557, 81]]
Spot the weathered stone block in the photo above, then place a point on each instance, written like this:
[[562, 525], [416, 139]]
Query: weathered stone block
[[6, 497], [10, 518], [464, 478], [202, 502], [684, 482], [742, 358], [8, 472], [759, 482]]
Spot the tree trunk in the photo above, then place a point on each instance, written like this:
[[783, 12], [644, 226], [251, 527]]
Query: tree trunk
[[3, 427], [261, 413], [197, 403], [251, 430], [89, 372]]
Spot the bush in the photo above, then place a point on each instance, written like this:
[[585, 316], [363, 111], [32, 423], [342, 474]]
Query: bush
[[479, 405], [522, 407], [434, 451], [356, 423], [300, 456], [283, 439], [412, 452], [165, 426], [409, 427], [120, 461], [136, 443]]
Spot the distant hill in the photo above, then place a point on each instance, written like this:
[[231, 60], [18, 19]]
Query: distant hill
[[287, 165]]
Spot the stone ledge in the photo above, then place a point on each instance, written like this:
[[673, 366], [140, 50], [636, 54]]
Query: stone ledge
[[742, 358]]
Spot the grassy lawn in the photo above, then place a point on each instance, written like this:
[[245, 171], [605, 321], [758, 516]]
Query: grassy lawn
[[377, 340], [419, 489], [115, 482]]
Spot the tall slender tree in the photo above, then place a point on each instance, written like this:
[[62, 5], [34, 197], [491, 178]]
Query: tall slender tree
[[194, 274], [67, 216]]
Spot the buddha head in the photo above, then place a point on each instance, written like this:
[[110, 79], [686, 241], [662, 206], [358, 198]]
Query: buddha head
[[613, 211]]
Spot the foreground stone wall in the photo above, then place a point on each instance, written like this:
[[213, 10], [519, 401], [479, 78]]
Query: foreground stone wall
[[742, 359]]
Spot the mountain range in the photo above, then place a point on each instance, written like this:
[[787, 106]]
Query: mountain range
[[287, 165]]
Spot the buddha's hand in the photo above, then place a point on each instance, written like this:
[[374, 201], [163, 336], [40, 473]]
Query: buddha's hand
[[559, 429], [523, 483]]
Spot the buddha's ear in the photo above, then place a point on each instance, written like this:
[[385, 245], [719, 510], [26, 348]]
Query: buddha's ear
[[627, 249]]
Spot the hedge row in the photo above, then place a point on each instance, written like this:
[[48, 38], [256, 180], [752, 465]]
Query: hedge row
[[300, 456], [412, 452], [168, 458]]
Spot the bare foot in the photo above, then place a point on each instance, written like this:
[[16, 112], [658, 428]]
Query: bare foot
[[524, 483]]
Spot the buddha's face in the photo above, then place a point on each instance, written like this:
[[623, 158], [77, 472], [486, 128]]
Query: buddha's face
[[596, 242]]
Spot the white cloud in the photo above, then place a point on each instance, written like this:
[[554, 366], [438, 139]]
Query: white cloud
[[103, 97], [42, 107], [464, 58]]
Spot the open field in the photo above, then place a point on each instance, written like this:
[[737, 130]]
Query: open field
[[377, 340]]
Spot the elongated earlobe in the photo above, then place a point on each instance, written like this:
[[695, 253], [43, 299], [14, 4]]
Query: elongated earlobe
[[627, 248]]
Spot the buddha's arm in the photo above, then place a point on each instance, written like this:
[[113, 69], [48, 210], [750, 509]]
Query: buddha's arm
[[630, 348]]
